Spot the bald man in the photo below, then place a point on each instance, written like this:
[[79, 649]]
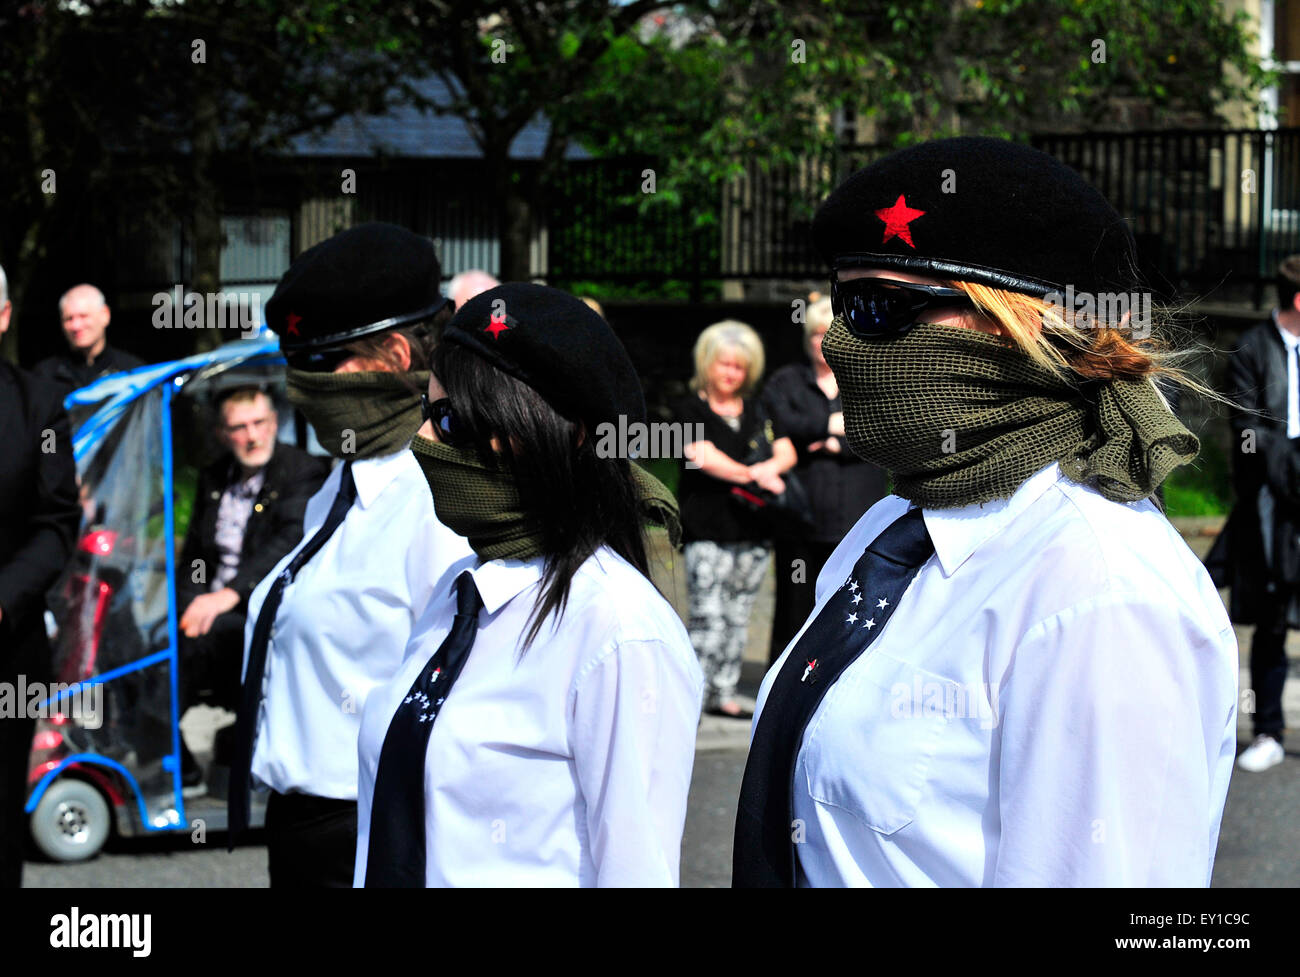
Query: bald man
[[85, 316], [467, 284]]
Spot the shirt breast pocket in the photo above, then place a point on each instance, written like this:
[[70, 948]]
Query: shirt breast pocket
[[872, 747]]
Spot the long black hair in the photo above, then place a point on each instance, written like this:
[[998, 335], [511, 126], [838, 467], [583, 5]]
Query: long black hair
[[575, 501]]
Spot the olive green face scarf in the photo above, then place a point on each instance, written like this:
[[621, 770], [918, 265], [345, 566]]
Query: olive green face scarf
[[482, 504], [959, 417], [359, 415]]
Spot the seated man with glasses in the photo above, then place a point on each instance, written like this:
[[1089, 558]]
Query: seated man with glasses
[[248, 514]]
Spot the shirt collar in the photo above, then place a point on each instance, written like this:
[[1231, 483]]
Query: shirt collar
[[1290, 340], [373, 475], [957, 533], [501, 581], [252, 485]]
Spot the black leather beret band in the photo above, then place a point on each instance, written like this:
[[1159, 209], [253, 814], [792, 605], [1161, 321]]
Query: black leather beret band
[[954, 270], [360, 332]]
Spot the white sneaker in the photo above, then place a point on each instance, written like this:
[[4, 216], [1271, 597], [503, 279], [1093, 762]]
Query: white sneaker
[[1265, 752]]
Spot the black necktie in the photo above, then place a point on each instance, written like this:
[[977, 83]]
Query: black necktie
[[763, 855], [396, 857], [251, 695]]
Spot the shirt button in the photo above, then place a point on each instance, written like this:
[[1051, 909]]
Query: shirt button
[[258, 507]]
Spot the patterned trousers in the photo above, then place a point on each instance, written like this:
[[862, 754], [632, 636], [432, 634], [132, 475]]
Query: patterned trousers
[[723, 579]]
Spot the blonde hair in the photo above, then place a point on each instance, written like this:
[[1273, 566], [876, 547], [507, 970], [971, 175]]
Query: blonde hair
[[1063, 343], [728, 336], [818, 316]]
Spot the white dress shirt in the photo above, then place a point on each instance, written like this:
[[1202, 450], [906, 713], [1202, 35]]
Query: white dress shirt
[[1290, 341], [567, 764], [1053, 703], [344, 621]]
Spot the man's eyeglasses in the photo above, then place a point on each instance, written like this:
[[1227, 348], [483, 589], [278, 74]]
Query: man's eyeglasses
[[319, 361], [450, 430], [874, 308]]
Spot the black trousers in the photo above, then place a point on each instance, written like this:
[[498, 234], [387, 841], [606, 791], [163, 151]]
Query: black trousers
[[210, 664], [1268, 666], [795, 598], [15, 752], [311, 841]]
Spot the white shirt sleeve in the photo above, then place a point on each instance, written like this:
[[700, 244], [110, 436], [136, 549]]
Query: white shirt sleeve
[[634, 716], [1114, 718]]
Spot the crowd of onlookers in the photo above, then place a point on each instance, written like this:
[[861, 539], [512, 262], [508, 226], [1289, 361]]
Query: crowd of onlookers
[[772, 475], [768, 474]]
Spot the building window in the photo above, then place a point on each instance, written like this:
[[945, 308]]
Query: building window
[[254, 252]]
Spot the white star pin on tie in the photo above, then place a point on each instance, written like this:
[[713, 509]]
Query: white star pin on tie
[[869, 624], [882, 603], [853, 585], [857, 598], [852, 617]]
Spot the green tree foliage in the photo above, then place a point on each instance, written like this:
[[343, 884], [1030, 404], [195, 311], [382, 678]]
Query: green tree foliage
[[108, 96], [154, 101], [722, 85]]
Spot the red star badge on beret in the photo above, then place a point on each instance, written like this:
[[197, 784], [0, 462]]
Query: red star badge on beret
[[497, 326], [897, 218], [291, 324]]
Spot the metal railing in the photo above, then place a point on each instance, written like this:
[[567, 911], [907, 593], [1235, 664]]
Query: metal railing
[[1211, 210]]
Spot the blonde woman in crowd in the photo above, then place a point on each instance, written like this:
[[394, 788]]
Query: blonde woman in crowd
[[727, 542]]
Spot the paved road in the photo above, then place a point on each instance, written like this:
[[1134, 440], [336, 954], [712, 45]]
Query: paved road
[[1259, 840]]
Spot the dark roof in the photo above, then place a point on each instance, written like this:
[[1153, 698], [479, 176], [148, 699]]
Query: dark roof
[[408, 132]]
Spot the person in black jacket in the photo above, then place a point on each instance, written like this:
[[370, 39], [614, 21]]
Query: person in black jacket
[[1258, 554], [85, 316], [248, 513], [804, 402], [39, 516]]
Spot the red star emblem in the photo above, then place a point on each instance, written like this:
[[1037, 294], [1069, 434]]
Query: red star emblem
[[291, 324], [497, 326], [897, 218]]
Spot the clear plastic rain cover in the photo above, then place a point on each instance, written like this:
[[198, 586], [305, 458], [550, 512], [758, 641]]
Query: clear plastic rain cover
[[112, 606]]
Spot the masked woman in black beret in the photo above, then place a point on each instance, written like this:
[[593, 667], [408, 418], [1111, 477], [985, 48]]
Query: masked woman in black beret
[[542, 729], [357, 315], [1017, 673]]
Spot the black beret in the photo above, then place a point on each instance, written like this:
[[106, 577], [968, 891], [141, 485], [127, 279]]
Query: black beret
[[557, 345], [367, 279], [1012, 217]]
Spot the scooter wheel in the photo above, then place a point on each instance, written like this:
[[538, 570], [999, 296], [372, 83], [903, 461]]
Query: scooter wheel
[[71, 822]]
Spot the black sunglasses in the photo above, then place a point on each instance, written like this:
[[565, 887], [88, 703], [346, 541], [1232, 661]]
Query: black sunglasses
[[875, 308], [450, 430], [319, 361]]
